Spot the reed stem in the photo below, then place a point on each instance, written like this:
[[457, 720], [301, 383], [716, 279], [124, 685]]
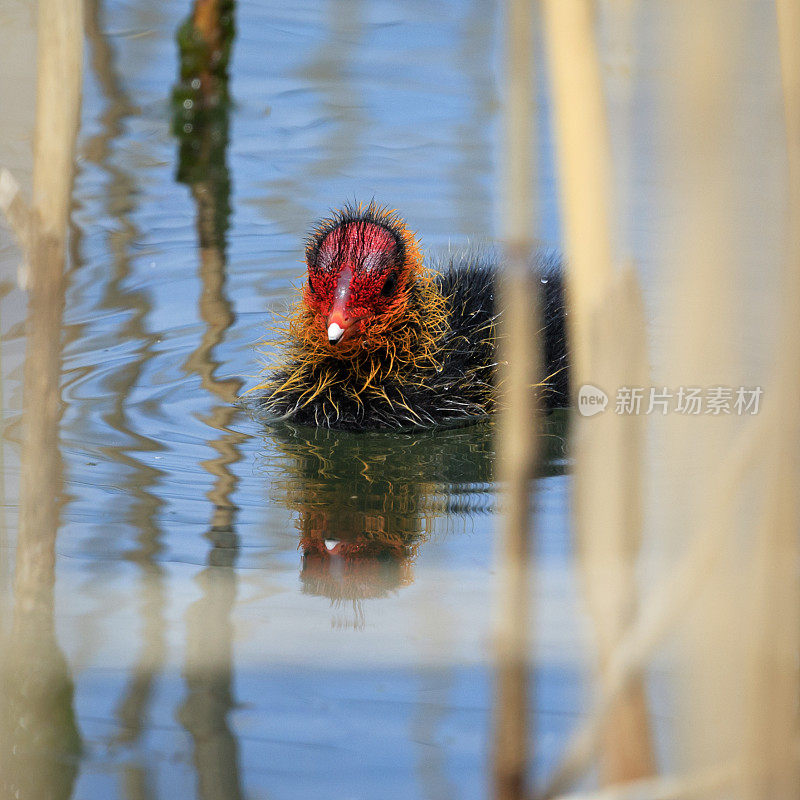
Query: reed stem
[[517, 440]]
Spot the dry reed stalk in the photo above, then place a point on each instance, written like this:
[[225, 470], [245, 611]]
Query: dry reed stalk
[[705, 236], [608, 349], [706, 158], [36, 715], [662, 610], [517, 443], [616, 42], [583, 160], [60, 63], [703, 261], [58, 103], [708, 783], [773, 676], [667, 787], [608, 513]]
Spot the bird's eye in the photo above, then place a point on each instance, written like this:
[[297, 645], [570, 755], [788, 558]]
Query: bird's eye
[[390, 284], [311, 287]]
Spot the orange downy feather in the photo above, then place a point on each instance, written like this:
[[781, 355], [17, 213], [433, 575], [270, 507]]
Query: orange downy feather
[[398, 344]]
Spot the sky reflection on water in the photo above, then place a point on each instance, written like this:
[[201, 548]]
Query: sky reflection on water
[[245, 609]]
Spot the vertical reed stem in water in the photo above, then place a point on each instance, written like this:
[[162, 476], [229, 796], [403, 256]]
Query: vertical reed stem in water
[[608, 351], [60, 62], [517, 440], [40, 739]]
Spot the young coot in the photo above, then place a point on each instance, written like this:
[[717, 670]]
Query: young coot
[[377, 339]]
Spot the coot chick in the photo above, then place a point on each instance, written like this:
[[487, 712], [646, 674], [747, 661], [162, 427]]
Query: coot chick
[[378, 339]]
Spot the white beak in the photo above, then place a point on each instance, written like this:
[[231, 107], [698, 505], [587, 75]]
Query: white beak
[[334, 332]]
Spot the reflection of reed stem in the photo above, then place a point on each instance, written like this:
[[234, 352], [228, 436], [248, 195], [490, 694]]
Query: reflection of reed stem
[[140, 479], [41, 461], [205, 42], [517, 443], [206, 18]]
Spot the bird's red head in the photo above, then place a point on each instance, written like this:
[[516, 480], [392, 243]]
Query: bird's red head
[[360, 265]]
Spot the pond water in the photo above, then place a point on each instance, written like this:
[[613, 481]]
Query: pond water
[[245, 610]]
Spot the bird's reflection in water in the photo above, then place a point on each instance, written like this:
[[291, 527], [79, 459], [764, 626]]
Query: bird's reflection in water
[[365, 503]]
